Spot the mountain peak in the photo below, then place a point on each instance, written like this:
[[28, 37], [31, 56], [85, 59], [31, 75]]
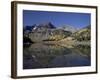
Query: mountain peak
[[48, 25]]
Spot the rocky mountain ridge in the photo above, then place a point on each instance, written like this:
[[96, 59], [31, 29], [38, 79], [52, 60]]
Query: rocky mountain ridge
[[48, 32]]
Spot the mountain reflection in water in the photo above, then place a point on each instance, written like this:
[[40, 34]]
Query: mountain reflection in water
[[51, 56]]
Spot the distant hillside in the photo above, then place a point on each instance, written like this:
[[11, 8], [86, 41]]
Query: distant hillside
[[69, 28], [83, 34]]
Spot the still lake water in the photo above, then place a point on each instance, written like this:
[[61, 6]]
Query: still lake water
[[51, 56]]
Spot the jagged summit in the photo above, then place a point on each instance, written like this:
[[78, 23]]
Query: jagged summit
[[47, 25]]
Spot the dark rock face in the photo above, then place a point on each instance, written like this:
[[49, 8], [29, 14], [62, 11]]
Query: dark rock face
[[29, 28], [27, 40], [48, 25]]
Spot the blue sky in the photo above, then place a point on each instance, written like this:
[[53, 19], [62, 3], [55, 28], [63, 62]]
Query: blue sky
[[78, 20]]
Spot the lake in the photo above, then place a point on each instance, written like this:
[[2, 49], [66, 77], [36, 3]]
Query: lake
[[39, 55]]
